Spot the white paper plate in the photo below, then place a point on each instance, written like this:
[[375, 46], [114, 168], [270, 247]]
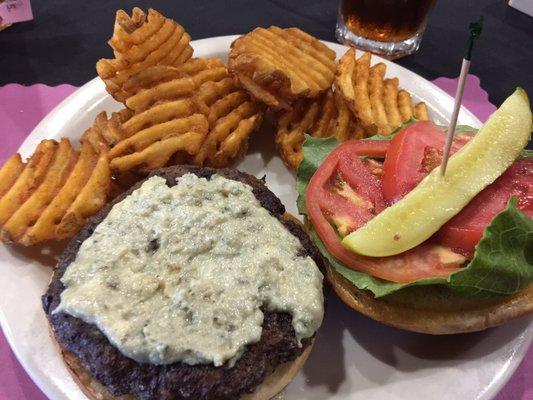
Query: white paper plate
[[354, 357]]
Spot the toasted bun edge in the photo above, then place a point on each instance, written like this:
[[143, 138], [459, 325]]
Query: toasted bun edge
[[270, 387], [444, 313]]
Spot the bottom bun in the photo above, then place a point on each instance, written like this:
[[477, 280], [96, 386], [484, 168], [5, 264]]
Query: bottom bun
[[270, 387], [433, 309], [281, 377]]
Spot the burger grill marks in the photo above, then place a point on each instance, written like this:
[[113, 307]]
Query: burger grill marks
[[181, 273]]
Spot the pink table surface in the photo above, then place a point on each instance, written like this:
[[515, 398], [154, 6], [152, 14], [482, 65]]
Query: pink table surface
[[21, 109]]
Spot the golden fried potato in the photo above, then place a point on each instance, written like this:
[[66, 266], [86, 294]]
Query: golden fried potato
[[420, 112], [51, 195], [164, 119], [197, 100], [152, 147], [28, 212], [83, 194], [106, 133], [163, 83], [278, 66], [232, 117], [10, 172], [375, 101], [158, 153], [139, 42], [325, 116], [28, 180]]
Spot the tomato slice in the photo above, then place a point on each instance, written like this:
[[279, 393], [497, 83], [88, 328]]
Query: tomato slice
[[369, 148], [417, 149], [412, 154], [465, 230], [345, 192]]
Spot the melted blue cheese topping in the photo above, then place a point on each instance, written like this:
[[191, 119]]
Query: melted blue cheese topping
[[181, 273]]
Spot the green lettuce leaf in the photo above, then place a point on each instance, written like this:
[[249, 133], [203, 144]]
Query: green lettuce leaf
[[464, 128], [458, 129], [410, 121], [382, 137], [526, 153], [503, 259], [315, 150], [378, 287]]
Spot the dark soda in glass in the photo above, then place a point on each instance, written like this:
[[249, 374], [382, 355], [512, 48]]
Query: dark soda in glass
[[390, 22]]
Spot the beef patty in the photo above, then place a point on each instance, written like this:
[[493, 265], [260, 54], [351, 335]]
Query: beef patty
[[122, 375]]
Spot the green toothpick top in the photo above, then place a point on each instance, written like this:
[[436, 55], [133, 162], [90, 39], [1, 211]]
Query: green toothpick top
[[475, 32]]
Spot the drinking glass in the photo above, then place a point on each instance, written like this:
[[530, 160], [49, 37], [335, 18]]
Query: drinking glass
[[390, 28]]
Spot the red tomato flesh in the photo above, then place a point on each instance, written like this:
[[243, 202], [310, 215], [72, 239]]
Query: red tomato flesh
[[465, 230], [412, 154], [345, 191], [417, 150]]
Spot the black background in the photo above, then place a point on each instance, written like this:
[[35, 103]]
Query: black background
[[67, 37]]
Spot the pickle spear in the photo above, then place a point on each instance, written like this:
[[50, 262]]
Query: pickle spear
[[437, 198]]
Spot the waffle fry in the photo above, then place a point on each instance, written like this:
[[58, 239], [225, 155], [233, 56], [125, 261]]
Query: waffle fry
[[162, 83], [164, 119], [198, 100], [232, 118], [10, 172], [326, 116], [376, 102], [152, 147], [106, 133], [29, 178], [139, 42], [420, 112], [278, 66], [51, 195]]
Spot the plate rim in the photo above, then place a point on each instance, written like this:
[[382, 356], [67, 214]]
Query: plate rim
[[94, 87]]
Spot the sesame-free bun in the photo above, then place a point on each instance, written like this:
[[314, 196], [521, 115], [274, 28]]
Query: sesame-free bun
[[433, 309], [271, 386]]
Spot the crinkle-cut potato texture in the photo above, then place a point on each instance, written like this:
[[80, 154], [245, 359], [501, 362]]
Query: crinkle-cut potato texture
[[194, 113], [232, 116], [52, 194], [159, 84], [164, 121], [328, 115], [139, 42], [378, 103], [278, 66], [152, 146], [106, 133]]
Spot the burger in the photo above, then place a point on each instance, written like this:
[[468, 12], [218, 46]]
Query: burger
[[419, 247], [194, 284]]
